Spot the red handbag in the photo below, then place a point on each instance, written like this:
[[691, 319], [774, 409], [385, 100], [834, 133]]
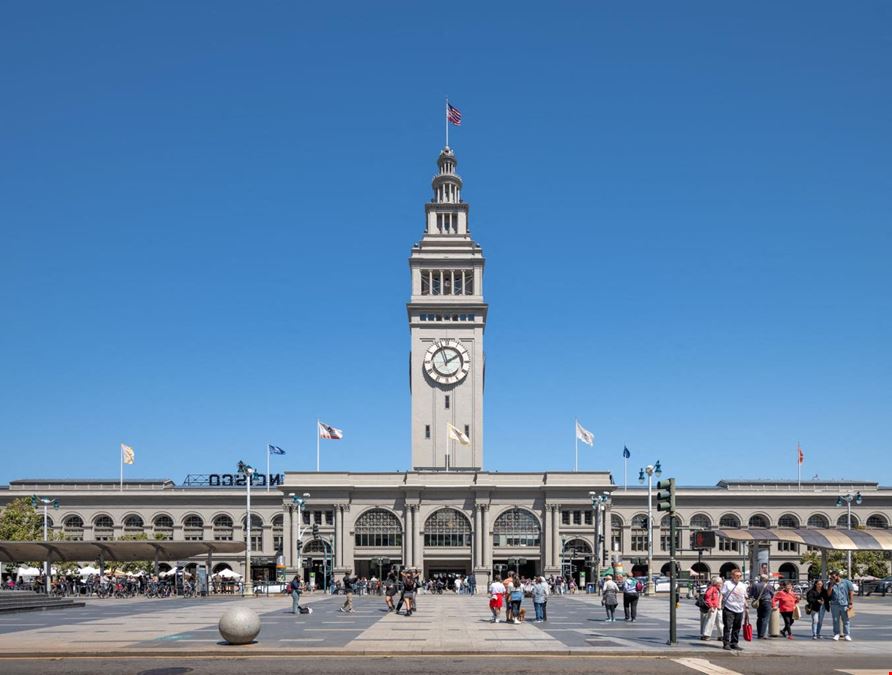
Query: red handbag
[[747, 628]]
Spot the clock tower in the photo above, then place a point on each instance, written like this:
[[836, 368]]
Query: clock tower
[[447, 316]]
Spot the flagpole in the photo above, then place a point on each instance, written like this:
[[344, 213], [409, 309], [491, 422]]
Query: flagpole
[[576, 437], [267, 467], [317, 444], [121, 451], [446, 116], [799, 465], [625, 472]]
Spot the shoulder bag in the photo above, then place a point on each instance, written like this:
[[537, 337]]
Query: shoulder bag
[[755, 603]]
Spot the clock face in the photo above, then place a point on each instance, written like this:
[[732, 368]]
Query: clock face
[[447, 361]]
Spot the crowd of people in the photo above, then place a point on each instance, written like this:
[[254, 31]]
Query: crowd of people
[[725, 605]]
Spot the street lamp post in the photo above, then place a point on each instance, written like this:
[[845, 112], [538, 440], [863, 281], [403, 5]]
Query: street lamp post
[[650, 470], [297, 504], [600, 502], [248, 472], [846, 500], [47, 502]]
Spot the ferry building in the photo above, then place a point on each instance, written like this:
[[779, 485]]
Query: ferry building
[[447, 514]]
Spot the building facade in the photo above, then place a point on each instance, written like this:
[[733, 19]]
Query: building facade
[[447, 515]]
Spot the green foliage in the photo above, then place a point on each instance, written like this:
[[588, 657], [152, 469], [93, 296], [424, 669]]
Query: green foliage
[[20, 521], [873, 563], [134, 566]]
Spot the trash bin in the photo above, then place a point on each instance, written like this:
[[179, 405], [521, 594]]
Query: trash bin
[[774, 623]]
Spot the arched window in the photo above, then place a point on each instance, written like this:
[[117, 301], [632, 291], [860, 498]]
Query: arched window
[[577, 548], [103, 528], [256, 531], [665, 536], [378, 527], [729, 520], [516, 528], [843, 521], [73, 528], [447, 527], [223, 528], [788, 520], [638, 533], [163, 526], [817, 520], [133, 525], [49, 523], [700, 521], [316, 547], [193, 528], [279, 532], [877, 521], [616, 533], [758, 520]]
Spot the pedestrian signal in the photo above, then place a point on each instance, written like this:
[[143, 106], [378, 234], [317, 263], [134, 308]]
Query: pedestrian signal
[[702, 539]]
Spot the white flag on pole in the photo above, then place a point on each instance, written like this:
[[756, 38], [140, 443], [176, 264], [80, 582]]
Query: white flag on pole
[[584, 434], [457, 435], [329, 432], [127, 455]]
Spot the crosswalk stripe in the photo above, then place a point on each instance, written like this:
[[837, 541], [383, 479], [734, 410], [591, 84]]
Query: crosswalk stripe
[[704, 666]]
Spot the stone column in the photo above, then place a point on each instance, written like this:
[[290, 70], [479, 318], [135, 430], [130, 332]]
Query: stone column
[[418, 542], [478, 538], [291, 519], [556, 535], [547, 527], [608, 535], [339, 536], [486, 545]]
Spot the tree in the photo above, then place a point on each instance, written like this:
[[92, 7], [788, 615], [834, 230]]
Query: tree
[[873, 563], [20, 521], [134, 566]]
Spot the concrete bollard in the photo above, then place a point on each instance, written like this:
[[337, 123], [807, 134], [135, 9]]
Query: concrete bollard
[[774, 623], [239, 625]]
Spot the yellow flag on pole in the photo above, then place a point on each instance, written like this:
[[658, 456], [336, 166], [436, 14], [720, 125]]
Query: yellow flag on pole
[[458, 435]]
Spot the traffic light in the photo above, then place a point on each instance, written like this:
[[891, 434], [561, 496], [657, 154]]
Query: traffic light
[[666, 495], [316, 530]]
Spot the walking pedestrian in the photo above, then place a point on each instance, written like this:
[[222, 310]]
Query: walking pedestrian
[[817, 601], [786, 600], [516, 598], [295, 595], [631, 587], [410, 587], [842, 594], [349, 586], [390, 590], [733, 607], [496, 594], [539, 593], [762, 595], [609, 598], [712, 618], [472, 584]]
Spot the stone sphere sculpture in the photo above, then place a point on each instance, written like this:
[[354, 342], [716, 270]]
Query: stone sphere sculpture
[[239, 625]]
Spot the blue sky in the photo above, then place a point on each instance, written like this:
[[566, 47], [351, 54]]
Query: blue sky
[[207, 210]]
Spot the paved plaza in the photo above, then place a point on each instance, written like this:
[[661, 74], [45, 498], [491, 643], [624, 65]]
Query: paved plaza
[[446, 624]]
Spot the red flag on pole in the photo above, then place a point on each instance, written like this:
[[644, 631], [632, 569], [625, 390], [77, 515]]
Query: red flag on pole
[[801, 456]]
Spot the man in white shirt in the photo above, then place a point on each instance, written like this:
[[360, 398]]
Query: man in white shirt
[[496, 597], [733, 607]]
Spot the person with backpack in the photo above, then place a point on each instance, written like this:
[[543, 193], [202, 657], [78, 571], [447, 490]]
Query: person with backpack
[[390, 590], [761, 596], [410, 587], [609, 598], [515, 597], [712, 617], [631, 588]]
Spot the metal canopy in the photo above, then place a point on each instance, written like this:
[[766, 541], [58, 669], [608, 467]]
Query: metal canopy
[[817, 537], [122, 551]]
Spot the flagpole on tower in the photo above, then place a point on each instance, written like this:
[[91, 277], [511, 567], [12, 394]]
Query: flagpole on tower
[[446, 117]]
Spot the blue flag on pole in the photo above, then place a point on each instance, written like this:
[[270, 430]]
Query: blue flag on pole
[[626, 453], [275, 450]]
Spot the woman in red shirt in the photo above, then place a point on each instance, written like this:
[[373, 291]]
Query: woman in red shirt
[[786, 600], [712, 619]]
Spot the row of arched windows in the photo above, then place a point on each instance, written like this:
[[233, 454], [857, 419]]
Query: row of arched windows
[[162, 527], [701, 521]]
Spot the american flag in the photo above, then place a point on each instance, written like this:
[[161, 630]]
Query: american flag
[[326, 431], [453, 114]]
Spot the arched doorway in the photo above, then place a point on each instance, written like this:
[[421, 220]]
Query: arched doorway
[[789, 571], [317, 563], [516, 542], [726, 569], [577, 561], [700, 571], [447, 546], [378, 535], [665, 569]]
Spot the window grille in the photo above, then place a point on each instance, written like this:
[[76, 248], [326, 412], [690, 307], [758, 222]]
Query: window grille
[[378, 527], [222, 528], [163, 527], [516, 528], [193, 528], [447, 527]]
